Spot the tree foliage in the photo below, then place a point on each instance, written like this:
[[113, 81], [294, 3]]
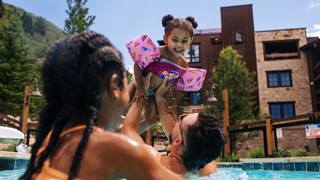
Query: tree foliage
[[78, 20], [40, 26], [17, 68], [27, 23], [1, 8], [232, 74]]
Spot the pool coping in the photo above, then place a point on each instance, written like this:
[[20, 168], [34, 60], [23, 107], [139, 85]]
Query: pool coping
[[283, 160], [14, 155], [310, 163]]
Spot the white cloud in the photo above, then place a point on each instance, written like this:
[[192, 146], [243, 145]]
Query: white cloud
[[314, 31], [315, 3], [316, 26]]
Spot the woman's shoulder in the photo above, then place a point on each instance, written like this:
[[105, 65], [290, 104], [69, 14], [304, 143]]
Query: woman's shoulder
[[108, 141]]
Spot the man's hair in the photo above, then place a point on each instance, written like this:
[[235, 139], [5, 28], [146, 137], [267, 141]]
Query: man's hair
[[204, 141]]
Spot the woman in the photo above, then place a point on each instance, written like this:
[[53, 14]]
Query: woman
[[86, 91]]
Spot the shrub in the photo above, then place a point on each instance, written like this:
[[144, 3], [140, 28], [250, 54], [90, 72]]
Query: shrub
[[256, 153], [11, 148], [299, 153], [281, 153], [230, 158]]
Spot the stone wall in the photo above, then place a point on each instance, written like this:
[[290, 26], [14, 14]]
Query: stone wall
[[300, 91], [294, 138]]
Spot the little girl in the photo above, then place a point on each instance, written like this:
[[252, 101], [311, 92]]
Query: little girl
[[177, 38]]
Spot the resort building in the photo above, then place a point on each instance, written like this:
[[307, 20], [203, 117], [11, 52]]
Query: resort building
[[283, 75], [282, 72], [285, 61]]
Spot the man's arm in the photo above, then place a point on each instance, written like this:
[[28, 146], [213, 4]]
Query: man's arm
[[132, 120]]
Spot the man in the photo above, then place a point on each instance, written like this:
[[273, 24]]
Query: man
[[196, 139]]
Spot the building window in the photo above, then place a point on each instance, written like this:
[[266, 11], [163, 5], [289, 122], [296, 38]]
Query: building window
[[279, 78], [281, 110], [238, 37], [193, 54], [279, 50], [215, 40]]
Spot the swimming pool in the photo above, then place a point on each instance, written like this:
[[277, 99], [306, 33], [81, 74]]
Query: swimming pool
[[239, 174], [223, 173]]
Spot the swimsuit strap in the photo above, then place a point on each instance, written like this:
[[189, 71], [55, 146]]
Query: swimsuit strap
[[76, 128], [46, 140]]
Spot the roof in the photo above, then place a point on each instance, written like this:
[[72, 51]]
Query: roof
[[208, 31], [311, 42]]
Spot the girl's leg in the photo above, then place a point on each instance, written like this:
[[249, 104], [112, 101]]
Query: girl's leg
[[150, 115]]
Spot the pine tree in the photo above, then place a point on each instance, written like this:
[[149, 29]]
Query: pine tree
[[1, 8], [40, 26], [16, 67], [78, 20], [232, 74], [27, 23]]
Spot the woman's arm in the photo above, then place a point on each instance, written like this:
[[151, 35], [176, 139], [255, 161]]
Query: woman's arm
[[139, 80], [132, 120]]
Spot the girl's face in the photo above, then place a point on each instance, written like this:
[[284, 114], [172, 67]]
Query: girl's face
[[178, 40]]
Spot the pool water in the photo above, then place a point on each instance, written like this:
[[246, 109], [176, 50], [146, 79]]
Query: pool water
[[11, 174], [239, 174], [223, 173]]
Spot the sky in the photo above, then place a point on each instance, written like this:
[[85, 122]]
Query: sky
[[123, 20]]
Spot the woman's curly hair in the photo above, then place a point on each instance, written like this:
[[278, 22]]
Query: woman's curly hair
[[76, 73]]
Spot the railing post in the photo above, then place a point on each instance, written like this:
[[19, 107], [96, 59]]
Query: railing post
[[25, 109], [226, 122], [269, 138]]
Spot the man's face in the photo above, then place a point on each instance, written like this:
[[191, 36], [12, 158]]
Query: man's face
[[178, 40], [180, 129]]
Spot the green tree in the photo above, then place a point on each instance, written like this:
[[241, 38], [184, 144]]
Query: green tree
[[16, 66], [232, 74], [1, 8], [78, 20], [27, 23], [40, 26]]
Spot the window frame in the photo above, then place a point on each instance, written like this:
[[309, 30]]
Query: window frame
[[194, 57], [282, 108], [278, 73], [281, 59], [238, 35]]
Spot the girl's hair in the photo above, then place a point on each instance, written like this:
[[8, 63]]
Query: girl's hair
[[75, 73], [169, 23]]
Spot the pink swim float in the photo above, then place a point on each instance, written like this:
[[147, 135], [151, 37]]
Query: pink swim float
[[147, 55]]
